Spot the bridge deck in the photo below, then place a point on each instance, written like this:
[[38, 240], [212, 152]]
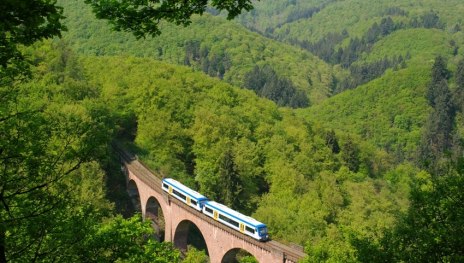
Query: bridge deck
[[153, 180]]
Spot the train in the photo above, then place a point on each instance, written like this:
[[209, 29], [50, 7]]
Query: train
[[219, 212]]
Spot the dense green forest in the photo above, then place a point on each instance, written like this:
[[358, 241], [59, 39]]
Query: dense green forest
[[339, 124], [213, 45]]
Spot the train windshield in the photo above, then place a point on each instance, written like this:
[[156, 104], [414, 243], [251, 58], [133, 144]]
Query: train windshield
[[262, 231]]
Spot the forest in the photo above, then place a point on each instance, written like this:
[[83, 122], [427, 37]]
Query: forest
[[339, 124]]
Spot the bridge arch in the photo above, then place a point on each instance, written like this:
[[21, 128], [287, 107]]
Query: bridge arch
[[234, 254], [134, 195], [188, 233], [155, 212]]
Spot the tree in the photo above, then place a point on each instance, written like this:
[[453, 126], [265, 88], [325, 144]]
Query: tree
[[124, 240], [43, 144], [332, 142], [143, 17], [350, 155], [433, 228], [23, 23], [195, 256], [439, 73], [459, 92], [431, 20], [49, 139], [438, 134], [230, 180]]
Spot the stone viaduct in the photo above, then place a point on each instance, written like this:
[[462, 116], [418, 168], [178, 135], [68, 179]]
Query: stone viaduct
[[222, 242]]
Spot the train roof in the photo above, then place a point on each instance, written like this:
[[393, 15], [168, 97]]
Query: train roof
[[184, 189], [235, 214]]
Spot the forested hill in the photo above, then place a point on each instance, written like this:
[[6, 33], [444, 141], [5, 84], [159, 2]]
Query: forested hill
[[382, 53], [345, 33], [337, 123], [391, 110], [218, 47]]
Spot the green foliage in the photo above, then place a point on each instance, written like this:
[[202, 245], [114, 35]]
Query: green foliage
[[350, 39], [143, 18], [432, 229], [248, 259], [49, 142], [124, 240], [24, 22], [195, 256]]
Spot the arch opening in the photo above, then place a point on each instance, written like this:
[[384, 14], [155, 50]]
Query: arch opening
[[187, 233], [238, 255], [134, 196], [155, 214]]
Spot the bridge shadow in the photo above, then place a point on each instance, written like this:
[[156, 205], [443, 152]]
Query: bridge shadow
[[155, 214], [187, 233], [134, 196]]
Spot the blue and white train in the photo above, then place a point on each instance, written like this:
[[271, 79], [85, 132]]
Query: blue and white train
[[233, 219], [184, 194], [219, 212]]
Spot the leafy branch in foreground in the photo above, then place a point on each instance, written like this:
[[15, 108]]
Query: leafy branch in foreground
[[143, 17]]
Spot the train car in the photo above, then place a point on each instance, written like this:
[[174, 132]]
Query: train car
[[183, 193], [245, 224]]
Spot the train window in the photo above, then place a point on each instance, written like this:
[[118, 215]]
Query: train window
[[228, 220], [249, 229], [183, 197], [165, 186], [193, 202], [209, 210]]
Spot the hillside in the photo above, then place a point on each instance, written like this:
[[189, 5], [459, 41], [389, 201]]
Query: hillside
[[345, 33], [214, 45], [384, 50], [390, 111], [247, 153]]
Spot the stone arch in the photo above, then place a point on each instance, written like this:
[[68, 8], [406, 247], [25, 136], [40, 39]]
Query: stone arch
[[154, 212], [134, 195], [188, 233], [234, 254]]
